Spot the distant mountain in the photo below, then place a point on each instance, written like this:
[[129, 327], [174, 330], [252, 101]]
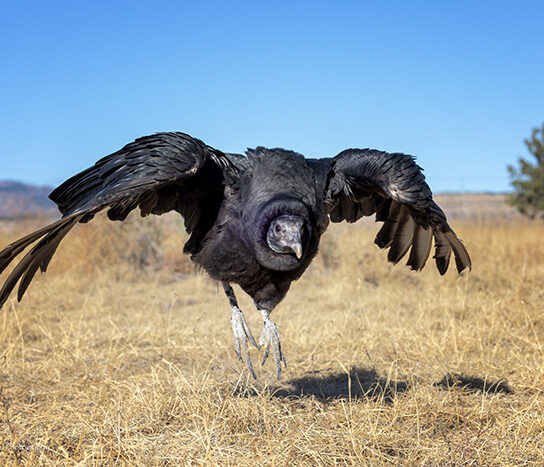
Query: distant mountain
[[19, 200]]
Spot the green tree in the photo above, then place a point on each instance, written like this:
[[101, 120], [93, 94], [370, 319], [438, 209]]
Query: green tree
[[528, 178]]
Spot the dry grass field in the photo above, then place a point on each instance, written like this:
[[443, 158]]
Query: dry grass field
[[123, 354]]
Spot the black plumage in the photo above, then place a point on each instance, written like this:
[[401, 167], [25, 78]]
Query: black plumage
[[253, 220]]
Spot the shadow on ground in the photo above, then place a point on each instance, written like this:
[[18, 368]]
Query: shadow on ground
[[473, 384], [360, 383], [365, 384]]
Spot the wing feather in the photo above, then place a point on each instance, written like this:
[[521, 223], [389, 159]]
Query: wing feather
[[421, 248], [403, 238], [385, 236], [39, 255], [366, 181], [460, 252], [157, 173], [442, 251]]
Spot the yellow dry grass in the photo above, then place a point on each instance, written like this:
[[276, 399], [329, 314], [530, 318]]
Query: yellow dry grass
[[122, 354]]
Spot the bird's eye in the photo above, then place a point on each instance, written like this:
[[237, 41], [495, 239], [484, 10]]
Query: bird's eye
[[277, 228]]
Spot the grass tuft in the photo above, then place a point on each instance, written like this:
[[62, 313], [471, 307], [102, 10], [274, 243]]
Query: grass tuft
[[123, 354]]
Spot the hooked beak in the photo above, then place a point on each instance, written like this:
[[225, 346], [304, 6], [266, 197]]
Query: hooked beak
[[297, 249], [295, 243]]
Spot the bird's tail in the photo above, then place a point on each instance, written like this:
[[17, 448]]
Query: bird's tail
[[39, 257]]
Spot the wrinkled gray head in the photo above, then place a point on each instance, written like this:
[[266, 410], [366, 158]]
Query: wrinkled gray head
[[285, 235]]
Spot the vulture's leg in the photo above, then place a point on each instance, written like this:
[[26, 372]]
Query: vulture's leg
[[240, 329], [270, 339]]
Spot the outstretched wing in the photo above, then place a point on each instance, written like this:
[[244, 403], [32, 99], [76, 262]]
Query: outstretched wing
[[158, 173], [365, 181]]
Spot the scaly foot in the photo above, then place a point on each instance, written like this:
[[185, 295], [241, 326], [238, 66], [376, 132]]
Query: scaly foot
[[270, 338], [242, 335]]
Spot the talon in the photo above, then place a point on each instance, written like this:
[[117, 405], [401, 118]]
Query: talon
[[237, 349], [248, 359], [250, 366], [265, 356], [249, 336], [270, 339], [242, 335]]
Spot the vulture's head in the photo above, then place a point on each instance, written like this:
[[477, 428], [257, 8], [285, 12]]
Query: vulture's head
[[280, 232], [285, 235]]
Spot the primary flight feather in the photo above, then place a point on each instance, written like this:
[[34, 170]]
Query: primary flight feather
[[254, 220]]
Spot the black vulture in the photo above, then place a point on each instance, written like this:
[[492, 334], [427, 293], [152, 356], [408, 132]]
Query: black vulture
[[254, 220]]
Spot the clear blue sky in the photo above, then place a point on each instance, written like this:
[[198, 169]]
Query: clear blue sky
[[457, 84]]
